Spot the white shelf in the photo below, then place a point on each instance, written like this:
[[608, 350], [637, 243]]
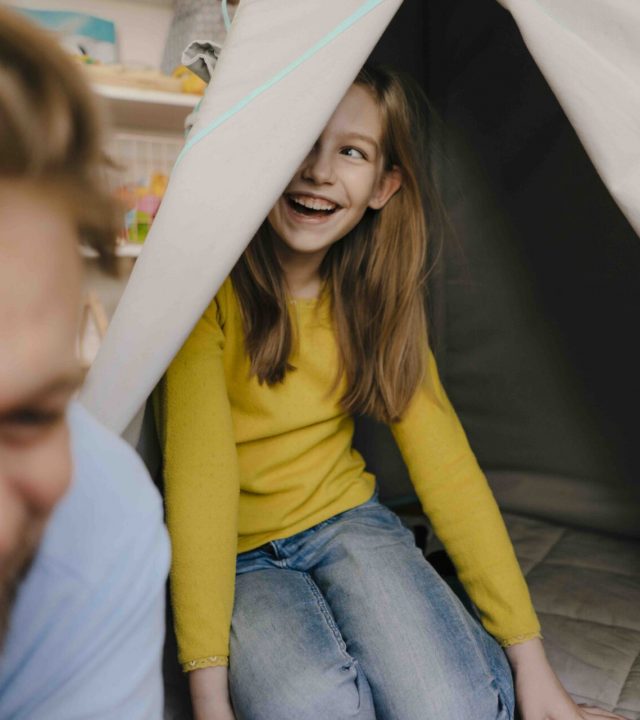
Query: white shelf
[[157, 3], [148, 110], [130, 250], [138, 95]]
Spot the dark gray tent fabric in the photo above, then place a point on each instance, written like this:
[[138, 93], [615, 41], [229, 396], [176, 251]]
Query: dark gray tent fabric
[[536, 295], [534, 300]]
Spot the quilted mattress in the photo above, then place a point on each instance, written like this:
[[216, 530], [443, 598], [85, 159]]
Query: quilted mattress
[[586, 589]]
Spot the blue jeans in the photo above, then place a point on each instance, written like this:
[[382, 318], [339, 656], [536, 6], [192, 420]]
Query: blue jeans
[[348, 620]]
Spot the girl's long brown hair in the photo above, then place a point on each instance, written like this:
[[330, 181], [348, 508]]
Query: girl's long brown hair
[[375, 277]]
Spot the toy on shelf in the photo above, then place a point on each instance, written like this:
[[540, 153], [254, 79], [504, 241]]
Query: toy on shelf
[[141, 202], [92, 42], [194, 19], [87, 37], [141, 165], [191, 83]]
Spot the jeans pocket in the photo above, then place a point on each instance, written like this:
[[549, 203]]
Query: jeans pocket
[[377, 516]]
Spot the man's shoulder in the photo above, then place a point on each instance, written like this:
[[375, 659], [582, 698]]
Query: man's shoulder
[[112, 503], [108, 466], [86, 631]]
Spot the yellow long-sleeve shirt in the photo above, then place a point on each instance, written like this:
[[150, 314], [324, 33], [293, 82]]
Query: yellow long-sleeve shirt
[[246, 463]]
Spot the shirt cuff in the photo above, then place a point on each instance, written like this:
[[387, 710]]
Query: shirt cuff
[[516, 639], [210, 661]]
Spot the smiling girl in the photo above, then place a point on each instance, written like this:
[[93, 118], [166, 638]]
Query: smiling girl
[[296, 593]]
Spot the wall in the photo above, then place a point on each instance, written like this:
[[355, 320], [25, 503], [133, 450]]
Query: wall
[[141, 27]]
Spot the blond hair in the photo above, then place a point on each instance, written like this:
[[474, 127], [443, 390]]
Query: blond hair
[[50, 130], [376, 276]]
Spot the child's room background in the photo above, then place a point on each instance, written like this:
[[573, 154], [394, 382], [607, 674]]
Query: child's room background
[[131, 52]]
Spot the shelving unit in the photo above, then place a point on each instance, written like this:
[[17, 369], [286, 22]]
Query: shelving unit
[[147, 128], [160, 117], [127, 250], [139, 95], [142, 27], [148, 110]]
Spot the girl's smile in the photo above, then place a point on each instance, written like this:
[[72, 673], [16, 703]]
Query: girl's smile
[[310, 208]]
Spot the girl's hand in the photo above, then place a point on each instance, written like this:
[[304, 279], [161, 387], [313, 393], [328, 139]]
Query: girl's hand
[[539, 693], [210, 694]]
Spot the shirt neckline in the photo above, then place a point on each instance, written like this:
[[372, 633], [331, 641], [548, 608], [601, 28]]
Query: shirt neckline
[[310, 302]]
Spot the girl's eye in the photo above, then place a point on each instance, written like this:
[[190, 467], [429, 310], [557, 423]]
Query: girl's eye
[[354, 153]]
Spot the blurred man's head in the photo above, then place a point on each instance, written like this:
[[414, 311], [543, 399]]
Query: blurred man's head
[[52, 197]]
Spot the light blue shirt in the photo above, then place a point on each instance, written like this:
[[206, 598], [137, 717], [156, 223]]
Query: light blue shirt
[[87, 629]]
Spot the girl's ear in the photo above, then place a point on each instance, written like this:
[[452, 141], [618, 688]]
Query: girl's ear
[[389, 184]]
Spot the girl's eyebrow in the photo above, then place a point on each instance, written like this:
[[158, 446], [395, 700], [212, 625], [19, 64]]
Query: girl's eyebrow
[[365, 138]]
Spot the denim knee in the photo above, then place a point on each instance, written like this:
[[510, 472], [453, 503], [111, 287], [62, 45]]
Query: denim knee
[[288, 659], [342, 693]]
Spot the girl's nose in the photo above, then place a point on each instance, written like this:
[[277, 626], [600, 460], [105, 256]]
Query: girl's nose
[[318, 167]]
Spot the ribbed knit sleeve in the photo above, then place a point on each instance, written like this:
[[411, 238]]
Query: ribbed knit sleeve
[[201, 480], [456, 498]]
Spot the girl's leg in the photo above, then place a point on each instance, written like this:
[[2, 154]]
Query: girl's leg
[[425, 657], [288, 660]]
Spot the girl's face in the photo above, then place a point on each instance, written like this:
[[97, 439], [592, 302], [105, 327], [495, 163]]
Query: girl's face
[[340, 178]]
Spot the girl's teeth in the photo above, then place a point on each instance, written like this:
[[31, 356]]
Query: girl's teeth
[[313, 203]]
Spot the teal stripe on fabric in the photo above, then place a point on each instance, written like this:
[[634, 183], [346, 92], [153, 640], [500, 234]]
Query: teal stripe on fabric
[[225, 15], [363, 10]]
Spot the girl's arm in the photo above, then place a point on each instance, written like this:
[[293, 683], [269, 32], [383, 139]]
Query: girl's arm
[[201, 480], [457, 499], [539, 693], [210, 694]]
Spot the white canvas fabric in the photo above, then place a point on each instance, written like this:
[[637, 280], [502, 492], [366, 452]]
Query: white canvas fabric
[[284, 68], [589, 53]]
